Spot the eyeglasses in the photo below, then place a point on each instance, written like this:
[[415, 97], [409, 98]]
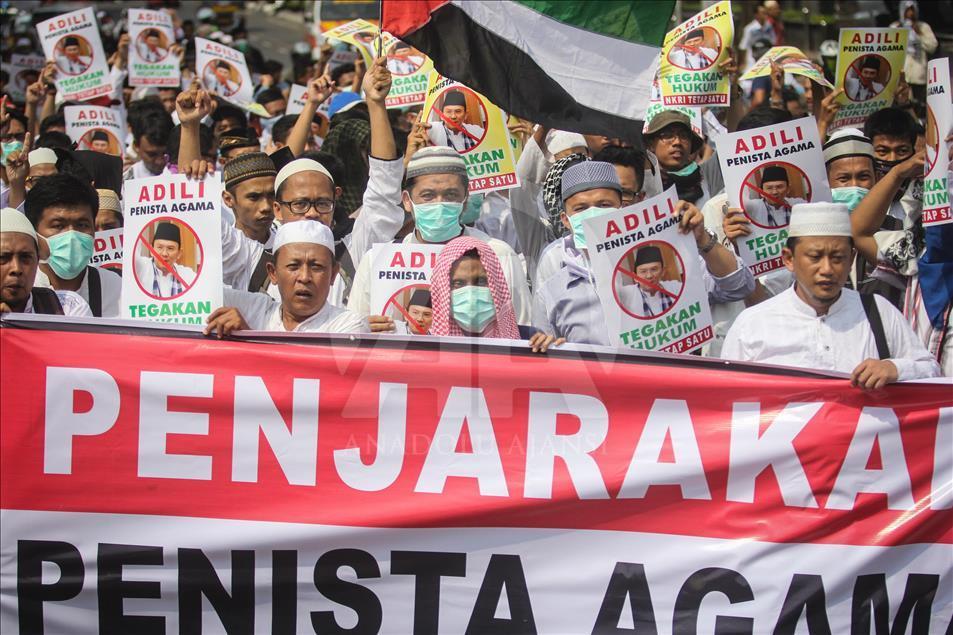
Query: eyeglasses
[[631, 196], [301, 206]]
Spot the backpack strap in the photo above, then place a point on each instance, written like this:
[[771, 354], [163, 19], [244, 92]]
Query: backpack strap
[[95, 291], [46, 302], [259, 277], [876, 324]]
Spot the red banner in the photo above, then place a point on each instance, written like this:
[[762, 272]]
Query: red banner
[[124, 436]]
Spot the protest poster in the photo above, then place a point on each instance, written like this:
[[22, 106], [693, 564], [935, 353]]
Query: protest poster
[[199, 486], [72, 41], [694, 115], [151, 61], [224, 72], [936, 169], [96, 128], [791, 60], [296, 99], [174, 266], [767, 171], [869, 63], [649, 278], [465, 120], [410, 70], [107, 249], [363, 36], [689, 72], [341, 57], [400, 283], [23, 70]]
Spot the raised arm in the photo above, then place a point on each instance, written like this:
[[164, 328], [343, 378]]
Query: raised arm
[[376, 86], [319, 90], [191, 106]]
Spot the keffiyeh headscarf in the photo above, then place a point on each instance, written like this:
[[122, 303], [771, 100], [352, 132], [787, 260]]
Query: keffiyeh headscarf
[[504, 326], [552, 189]]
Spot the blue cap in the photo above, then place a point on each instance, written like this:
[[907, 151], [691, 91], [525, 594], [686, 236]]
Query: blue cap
[[341, 101], [589, 175]]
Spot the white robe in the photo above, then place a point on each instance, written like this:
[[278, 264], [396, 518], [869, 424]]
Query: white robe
[[858, 92], [694, 61], [73, 305], [263, 313], [110, 284], [786, 331], [73, 68], [146, 273], [440, 136], [149, 56], [764, 213], [633, 296]]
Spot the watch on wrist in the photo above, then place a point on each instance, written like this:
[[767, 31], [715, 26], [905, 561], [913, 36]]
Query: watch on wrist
[[712, 241]]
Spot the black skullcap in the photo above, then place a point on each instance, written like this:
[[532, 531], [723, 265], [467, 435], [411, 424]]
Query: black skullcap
[[70, 41], [420, 297], [455, 98], [648, 254], [99, 135], [168, 231], [695, 33], [870, 62], [153, 33], [774, 173]]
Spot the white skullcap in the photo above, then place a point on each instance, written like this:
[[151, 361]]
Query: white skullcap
[[819, 219], [561, 140], [15, 221], [847, 142], [301, 165], [41, 156], [304, 231]]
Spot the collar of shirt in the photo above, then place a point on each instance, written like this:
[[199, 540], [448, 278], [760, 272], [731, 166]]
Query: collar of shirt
[[806, 309], [276, 323]]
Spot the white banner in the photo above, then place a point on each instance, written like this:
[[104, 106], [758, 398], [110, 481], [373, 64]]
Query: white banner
[[151, 61], [107, 249], [767, 171], [936, 186], [223, 71], [96, 128], [72, 41], [400, 284], [173, 269], [648, 277]]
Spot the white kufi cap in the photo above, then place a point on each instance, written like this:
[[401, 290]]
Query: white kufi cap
[[819, 219], [300, 165], [41, 156], [13, 220], [560, 141], [304, 231]]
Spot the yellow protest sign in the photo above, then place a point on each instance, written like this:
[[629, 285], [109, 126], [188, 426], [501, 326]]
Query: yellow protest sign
[[868, 68], [691, 54], [791, 60], [466, 121], [410, 70], [362, 35]]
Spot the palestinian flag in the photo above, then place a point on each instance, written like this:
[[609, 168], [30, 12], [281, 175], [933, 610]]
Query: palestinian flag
[[581, 66]]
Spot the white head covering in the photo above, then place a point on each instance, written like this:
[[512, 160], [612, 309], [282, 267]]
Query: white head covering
[[561, 140], [300, 165], [304, 231], [819, 219], [15, 221], [847, 142], [41, 156]]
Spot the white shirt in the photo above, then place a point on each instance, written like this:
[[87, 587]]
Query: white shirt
[[73, 305], [858, 92], [786, 331], [263, 313], [110, 285], [146, 271], [764, 213], [214, 85], [636, 299], [694, 61], [441, 135], [150, 56], [73, 67]]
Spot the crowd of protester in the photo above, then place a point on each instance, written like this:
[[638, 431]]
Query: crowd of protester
[[307, 196]]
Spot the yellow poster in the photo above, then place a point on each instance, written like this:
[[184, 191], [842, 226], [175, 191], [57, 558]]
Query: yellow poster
[[691, 54], [466, 121], [410, 70], [362, 35], [791, 60], [868, 68]]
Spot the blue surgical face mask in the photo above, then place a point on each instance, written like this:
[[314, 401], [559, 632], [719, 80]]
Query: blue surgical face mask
[[69, 253], [438, 222], [575, 221], [688, 170], [849, 196], [471, 211], [472, 308], [9, 148]]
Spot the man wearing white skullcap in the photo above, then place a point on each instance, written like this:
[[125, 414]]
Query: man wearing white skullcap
[[305, 189], [19, 260], [303, 272], [819, 324]]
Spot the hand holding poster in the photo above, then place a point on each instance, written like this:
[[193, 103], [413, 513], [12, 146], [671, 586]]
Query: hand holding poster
[[689, 73], [648, 277], [151, 61], [791, 60], [72, 41], [24, 70], [410, 70], [224, 72], [400, 283], [767, 171], [107, 249], [174, 264], [95, 128], [466, 121], [936, 187], [868, 68]]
